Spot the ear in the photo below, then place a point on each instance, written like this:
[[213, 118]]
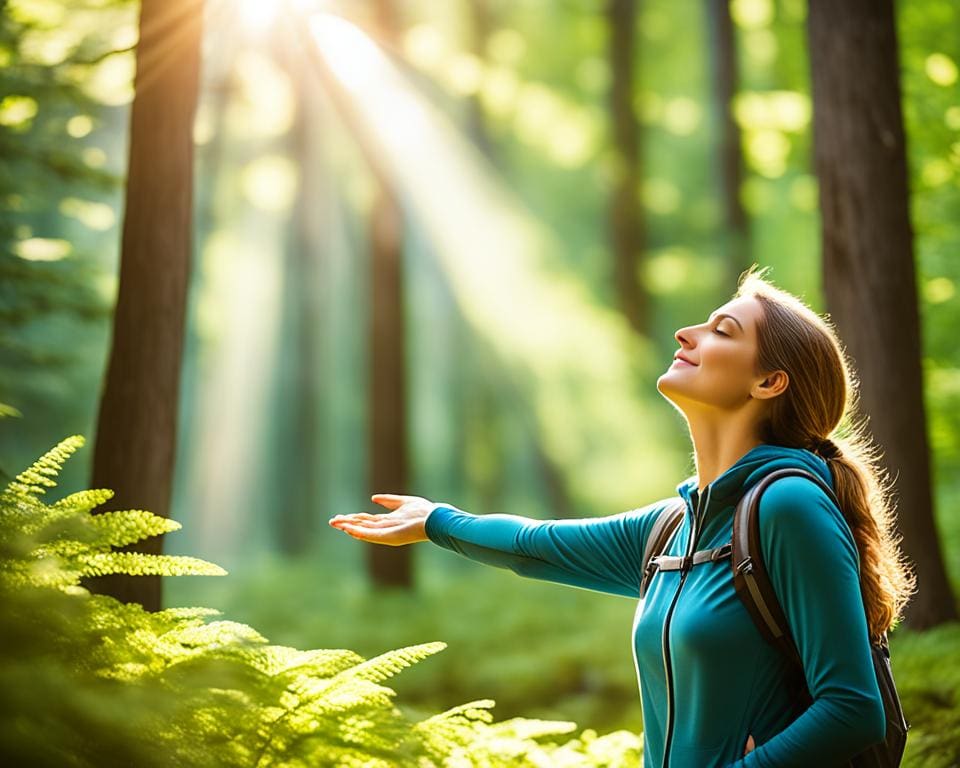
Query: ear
[[774, 384]]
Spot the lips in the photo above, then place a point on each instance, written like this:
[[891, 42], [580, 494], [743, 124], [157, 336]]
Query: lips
[[682, 358]]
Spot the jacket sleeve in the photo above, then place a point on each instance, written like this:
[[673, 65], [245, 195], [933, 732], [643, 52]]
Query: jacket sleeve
[[600, 553], [813, 563]]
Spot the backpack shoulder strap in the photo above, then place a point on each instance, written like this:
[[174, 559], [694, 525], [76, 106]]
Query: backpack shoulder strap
[[750, 577], [666, 524]]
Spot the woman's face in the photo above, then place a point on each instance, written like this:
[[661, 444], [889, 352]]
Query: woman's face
[[721, 353]]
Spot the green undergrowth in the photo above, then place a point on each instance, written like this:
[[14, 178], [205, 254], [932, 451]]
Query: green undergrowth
[[89, 681], [539, 649], [926, 667]]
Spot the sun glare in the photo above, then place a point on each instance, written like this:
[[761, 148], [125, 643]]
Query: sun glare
[[353, 56], [258, 15]]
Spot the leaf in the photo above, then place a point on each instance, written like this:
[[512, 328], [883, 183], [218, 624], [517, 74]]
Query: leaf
[[140, 564]]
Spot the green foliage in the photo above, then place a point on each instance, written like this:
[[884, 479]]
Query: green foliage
[[90, 681], [927, 669], [536, 655]]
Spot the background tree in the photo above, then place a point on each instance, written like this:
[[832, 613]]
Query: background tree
[[626, 215], [728, 155], [137, 424], [869, 275], [387, 426]]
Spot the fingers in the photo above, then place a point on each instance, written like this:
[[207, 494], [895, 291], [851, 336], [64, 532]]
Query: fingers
[[374, 521], [389, 500], [362, 530]]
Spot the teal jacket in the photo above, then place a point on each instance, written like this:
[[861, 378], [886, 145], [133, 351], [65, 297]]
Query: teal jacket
[[707, 678]]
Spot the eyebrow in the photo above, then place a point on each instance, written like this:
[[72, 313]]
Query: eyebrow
[[724, 314]]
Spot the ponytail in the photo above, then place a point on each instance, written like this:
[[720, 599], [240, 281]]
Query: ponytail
[[885, 581]]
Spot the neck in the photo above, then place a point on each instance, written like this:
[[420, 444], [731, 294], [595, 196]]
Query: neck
[[718, 443]]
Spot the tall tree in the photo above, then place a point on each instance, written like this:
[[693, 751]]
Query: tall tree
[[626, 215], [480, 23], [298, 489], [388, 433], [136, 428], [868, 262], [729, 156]]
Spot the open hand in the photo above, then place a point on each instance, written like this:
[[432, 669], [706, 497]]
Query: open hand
[[403, 525]]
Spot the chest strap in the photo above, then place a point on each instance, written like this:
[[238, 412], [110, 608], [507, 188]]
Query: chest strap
[[686, 562]]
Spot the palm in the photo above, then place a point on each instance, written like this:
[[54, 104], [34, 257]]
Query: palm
[[403, 525]]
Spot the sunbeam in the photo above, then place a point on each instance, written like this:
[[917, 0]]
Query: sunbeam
[[586, 361]]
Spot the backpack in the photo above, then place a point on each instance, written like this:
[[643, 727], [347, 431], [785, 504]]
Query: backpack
[[755, 591]]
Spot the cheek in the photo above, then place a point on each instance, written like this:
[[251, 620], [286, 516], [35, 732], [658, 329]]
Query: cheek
[[728, 370]]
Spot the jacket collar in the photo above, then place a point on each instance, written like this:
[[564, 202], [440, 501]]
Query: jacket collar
[[727, 489]]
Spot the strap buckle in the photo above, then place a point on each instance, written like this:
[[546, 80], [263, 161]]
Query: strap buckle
[[745, 565], [721, 552]]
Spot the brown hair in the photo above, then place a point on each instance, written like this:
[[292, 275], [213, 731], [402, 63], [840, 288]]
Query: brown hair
[[816, 412]]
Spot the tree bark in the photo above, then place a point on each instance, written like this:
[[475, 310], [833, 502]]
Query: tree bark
[[480, 22], [388, 438], [868, 269], [729, 156], [626, 215], [137, 424], [388, 435]]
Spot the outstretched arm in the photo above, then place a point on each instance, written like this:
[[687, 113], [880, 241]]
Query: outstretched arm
[[601, 554]]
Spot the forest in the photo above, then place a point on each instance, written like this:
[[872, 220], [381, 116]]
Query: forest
[[262, 259]]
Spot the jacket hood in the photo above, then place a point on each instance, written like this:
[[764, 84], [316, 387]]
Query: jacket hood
[[749, 469]]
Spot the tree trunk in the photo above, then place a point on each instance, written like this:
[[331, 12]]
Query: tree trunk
[[626, 216], [137, 424], [388, 439], [388, 566], [869, 277], [298, 490], [480, 22], [728, 151]]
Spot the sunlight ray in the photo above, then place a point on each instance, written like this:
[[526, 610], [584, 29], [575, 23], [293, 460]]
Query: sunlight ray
[[586, 362]]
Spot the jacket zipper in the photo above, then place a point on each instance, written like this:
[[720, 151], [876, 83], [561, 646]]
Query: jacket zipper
[[691, 543]]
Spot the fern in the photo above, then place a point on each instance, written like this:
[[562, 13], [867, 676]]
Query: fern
[[100, 683], [34, 480]]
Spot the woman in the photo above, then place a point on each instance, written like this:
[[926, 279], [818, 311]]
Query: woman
[[762, 384]]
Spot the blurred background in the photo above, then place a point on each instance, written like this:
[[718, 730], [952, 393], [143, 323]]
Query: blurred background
[[439, 249]]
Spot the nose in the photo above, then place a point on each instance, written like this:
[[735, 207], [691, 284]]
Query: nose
[[684, 336]]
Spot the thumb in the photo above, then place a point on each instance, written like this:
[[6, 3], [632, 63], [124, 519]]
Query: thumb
[[389, 500]]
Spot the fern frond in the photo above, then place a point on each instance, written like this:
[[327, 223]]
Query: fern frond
[[129, 526], [324, 663], [215, 634], [189, 614], [532, 728], [77, 505], [478, 710], [34, 480], [390, 663], [84, 501], [140, 564]]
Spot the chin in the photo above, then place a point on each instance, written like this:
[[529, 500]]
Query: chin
[[667, 387]]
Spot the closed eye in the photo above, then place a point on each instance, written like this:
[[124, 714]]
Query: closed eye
[[720, 332]]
